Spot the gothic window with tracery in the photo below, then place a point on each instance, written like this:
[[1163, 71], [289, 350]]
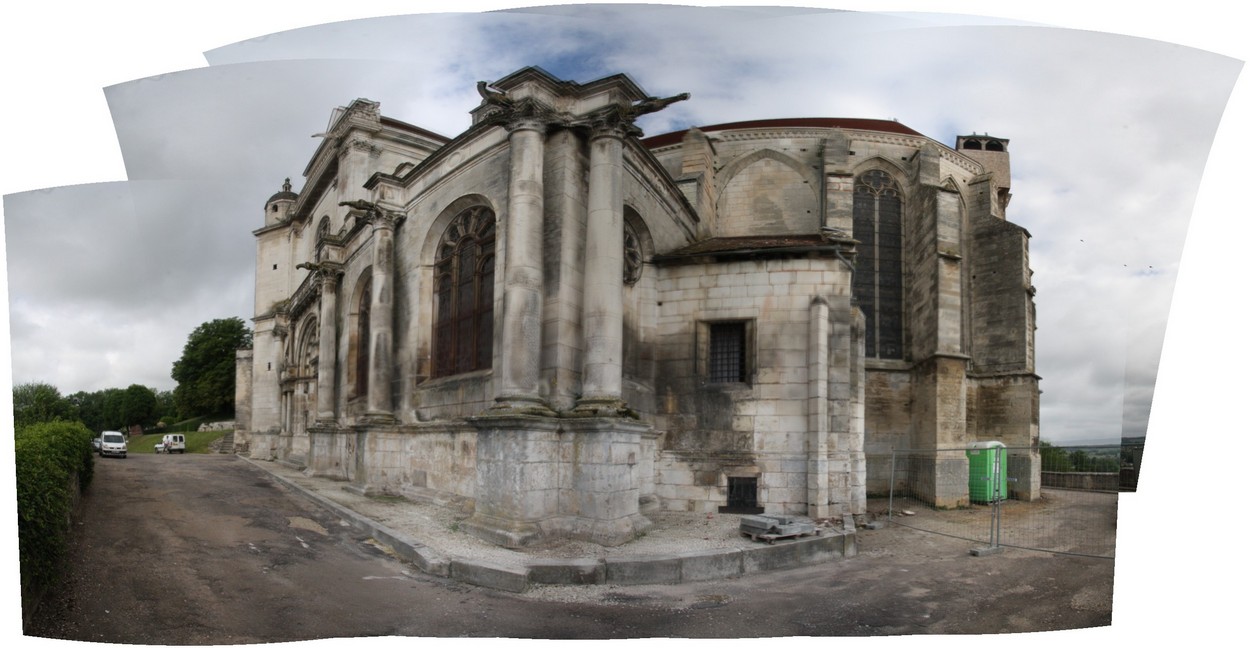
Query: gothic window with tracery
[[633, 256], [464, 284], [878, 223]]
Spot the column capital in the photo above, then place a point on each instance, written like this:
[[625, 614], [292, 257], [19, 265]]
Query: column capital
[[617, 120], [327, 272], [534, 123], [374, 215], [615, 123]]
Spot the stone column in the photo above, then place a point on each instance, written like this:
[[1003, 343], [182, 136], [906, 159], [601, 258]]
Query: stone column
[[604, 272], [818, 410], [523, 272], [326, 355], [381, 315]]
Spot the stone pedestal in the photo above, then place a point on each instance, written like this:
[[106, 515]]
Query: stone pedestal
[[517, 478], [264, 444], [327, 453], [940, 428], [602, 458], [540, 477], [941, 478]]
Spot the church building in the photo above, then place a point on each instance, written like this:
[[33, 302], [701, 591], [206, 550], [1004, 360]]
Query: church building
[[563, 326]]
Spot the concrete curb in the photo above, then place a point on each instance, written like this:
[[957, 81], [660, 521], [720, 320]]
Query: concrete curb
[[686, 567]]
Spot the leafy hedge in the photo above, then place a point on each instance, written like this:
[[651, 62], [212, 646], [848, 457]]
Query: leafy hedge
[[54, 465]]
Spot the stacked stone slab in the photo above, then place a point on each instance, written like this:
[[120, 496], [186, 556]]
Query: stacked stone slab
[[582, 381]]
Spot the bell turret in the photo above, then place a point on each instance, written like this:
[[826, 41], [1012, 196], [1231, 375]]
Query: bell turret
[[992, 153], [278, 204]]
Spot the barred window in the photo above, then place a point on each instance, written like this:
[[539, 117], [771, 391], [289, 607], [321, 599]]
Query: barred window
[[727, 357], [878, 226], [464, 281]]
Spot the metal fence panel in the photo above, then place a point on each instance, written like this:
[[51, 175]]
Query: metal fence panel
[[1062, 500]]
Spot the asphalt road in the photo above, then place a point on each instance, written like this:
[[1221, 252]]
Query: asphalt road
[[207, 549]]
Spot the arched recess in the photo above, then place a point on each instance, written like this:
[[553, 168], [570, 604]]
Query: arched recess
[[879, 266], [358, 335], [767, 192], [637, 296], [464, 293], [307, 347], [965, 266]]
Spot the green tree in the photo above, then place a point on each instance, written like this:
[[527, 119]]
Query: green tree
[[138, 406], [39, 403], [112, 408], [205, 372], [1055, 459], [166, 407]]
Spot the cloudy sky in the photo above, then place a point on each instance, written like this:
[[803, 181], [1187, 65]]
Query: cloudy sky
[[142, 141], [1109, 136]]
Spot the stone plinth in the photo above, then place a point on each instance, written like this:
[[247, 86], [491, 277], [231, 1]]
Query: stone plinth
[[517, 487], [601, 457], [327, 452], [540, 477]]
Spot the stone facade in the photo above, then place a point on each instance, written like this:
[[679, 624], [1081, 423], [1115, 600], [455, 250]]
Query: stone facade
[[561, 325]]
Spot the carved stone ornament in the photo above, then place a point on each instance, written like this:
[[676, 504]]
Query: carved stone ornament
[[372, 214]]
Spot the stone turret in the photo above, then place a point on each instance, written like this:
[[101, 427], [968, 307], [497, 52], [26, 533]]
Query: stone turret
[[992, 153], [279, 204]]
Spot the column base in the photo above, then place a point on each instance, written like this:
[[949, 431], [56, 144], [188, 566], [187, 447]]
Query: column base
[[505, 533], [377, 418], [519, 405], [602, 406]]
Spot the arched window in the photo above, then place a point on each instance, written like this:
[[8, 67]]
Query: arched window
[[879, 262], [464, 285]]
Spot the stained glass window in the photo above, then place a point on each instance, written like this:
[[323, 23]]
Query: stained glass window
[[464, 282]]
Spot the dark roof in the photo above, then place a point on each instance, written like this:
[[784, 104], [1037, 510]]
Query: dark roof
[[740, 244], [285, 194], [882, 125]]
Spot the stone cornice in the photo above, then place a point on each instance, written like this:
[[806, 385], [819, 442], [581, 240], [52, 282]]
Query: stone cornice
[[307, 292]]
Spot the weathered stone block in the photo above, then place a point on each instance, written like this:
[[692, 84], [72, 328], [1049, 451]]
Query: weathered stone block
[[644, 571], [502, 577], [584, 571]]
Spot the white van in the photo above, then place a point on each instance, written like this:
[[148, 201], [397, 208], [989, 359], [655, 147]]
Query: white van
[[113, 443], [172, 443]]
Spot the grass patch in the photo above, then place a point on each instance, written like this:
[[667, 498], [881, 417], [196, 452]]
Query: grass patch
[[189, 425], [197, 442]]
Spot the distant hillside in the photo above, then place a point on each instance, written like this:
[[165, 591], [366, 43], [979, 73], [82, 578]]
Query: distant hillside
[[1069, 443]]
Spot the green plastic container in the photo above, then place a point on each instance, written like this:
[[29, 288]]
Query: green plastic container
[[981, 457]]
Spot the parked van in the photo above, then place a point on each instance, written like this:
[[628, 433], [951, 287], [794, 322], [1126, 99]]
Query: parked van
[[113, 444], [172, 443]]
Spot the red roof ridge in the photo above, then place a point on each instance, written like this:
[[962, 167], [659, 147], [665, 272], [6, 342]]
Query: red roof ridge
[[856, 123]]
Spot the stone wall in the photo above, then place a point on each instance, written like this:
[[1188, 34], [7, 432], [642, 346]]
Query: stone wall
[[712, 431]]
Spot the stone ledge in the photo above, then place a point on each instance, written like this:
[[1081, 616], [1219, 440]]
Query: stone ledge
[[684, 567], [577, 571], [502, 577]]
